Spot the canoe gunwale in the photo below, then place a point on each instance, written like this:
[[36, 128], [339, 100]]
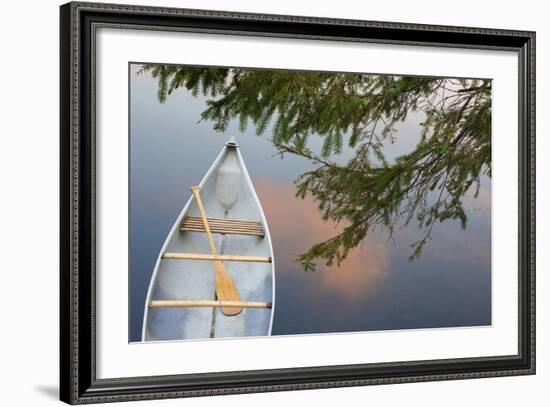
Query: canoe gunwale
[[267, 235]]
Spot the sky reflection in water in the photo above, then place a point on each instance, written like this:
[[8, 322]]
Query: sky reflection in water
[[376, 288]]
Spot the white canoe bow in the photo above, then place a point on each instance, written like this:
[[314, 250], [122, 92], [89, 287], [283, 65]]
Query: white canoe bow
[[181, 301]]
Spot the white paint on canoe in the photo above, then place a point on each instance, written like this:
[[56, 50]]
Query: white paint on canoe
[[194, 279]]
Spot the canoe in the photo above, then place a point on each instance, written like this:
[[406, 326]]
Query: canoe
[[183, 297]]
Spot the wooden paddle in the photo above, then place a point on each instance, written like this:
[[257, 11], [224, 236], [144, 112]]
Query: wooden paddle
[[225, 288]]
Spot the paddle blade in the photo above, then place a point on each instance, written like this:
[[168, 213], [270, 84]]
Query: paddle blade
[[225, 289]]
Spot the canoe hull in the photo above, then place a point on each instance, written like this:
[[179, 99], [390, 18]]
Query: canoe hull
[[195, 279]]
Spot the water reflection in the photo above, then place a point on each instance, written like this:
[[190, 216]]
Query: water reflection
[[294, 223]]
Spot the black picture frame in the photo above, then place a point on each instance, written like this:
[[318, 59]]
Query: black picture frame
[[78, 382]]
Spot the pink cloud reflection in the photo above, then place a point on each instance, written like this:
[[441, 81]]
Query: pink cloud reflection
[[295, 224]]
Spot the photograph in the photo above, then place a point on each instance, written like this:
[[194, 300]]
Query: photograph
[[268, 202]]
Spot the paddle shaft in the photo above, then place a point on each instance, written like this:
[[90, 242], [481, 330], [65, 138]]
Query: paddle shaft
[[225, 287]]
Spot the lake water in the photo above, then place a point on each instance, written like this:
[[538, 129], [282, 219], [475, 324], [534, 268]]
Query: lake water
[[376, 288]]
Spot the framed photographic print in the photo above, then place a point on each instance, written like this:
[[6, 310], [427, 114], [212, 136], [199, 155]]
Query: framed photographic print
[[257, 203]]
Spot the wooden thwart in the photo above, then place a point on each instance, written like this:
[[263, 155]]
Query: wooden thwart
[[207, 303], [230, 221], [215, 257], [223, 226]]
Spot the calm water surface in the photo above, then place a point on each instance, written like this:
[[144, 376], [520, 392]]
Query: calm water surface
[[376, 288]]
